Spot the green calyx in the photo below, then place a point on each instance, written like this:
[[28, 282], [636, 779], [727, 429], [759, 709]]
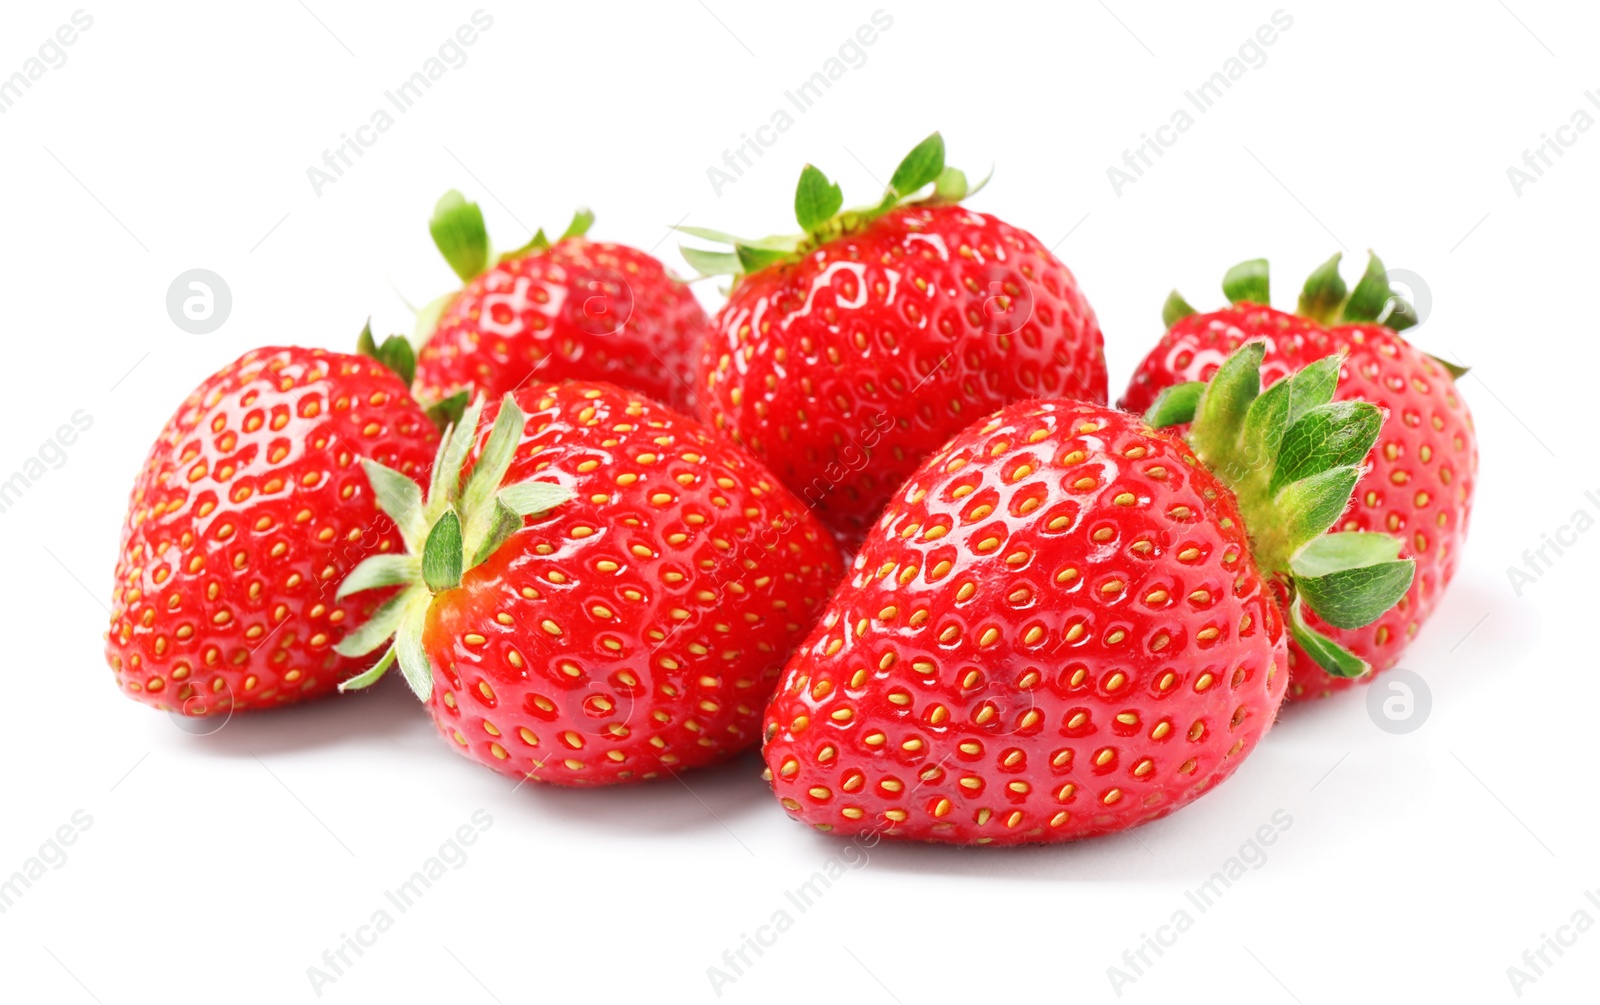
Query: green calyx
[[1324, 299], [395, 353], [818, 208], [1292, 456], [461, 237], [456, 526]]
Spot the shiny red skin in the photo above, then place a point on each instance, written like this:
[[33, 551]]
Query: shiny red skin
[[551, 665], [1420, 475], [584, 310], [249, 510], [1062, 676], [844, 370]]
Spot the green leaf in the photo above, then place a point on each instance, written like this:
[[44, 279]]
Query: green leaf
[[1175, 309], [1308, 507], [1455, 371], [774, 242], [370, 676], [446, 480], [396, 353], [1175, 405], [376, 630], [1371, 296], [1400, 315], [951, 186], [378, 571], [753, 259], [1328, 654], [1264, 425], [816, 199], [1314, 385], [582, 220], [442, 556], [1350, 579], [1220, 414], [1328, 436], [1349, 549], [502, 524], [428, 318], [1323, 293], [530, 497], [398, 496], [1248, 281], [707, 234], [537, 244], [711, 263], [922, 165], [490, 470], [447, 413], [1355, 598], [458, 231], [975, 189], [413, 657]]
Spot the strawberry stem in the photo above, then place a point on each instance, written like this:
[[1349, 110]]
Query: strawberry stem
[[1292, 456], [454, 528], [817, 208]]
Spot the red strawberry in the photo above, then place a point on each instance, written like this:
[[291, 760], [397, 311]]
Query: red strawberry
[[574, 309], [847, 354], [249, 510], [1419, 478], [637, 622], [1059, 626]]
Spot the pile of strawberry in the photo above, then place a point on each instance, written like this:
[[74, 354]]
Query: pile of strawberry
[[1062, 618]]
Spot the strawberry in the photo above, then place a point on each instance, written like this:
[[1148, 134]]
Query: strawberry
[[572, 309], [1419, 478], [848, 353], [248, 511], [1060, 627], [636, 623]]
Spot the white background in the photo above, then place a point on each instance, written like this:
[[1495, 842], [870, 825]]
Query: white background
[[219, 868]]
